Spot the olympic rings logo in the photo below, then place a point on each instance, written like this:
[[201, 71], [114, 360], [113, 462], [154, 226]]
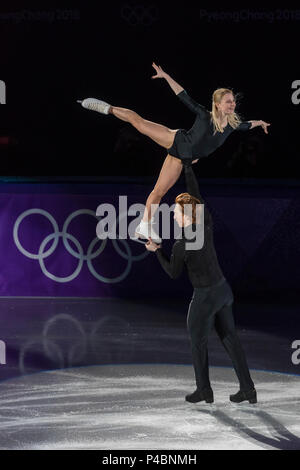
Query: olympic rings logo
[[74, 348], [79, 254], [144, 15]]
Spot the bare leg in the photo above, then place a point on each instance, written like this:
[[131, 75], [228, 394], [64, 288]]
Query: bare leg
[[168, 176], [162, 135]]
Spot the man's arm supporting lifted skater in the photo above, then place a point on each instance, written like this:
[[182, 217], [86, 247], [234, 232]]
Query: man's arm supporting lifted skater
[[193, 189], [174, 266]]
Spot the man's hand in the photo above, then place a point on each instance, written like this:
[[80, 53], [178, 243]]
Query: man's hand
[[151, 246]]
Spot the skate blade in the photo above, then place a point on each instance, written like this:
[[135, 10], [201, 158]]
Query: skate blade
[[203, 406], [140, 235], [139, 241], [244, 404]]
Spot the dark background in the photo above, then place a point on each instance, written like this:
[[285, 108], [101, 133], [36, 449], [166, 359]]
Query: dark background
[[105, 50]]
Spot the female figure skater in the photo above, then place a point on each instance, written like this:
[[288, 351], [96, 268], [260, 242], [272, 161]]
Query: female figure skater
[[212, 299], [209, 131]]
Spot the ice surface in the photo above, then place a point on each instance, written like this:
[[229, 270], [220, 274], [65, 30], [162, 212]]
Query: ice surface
[[142, 406]]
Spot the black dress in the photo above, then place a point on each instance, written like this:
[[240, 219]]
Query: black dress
[[200, 141]]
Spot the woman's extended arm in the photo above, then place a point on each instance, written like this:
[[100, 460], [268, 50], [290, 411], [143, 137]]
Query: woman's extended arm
[[161, 74], [247, 125], [263, 124], [174, 85], [180, 92]]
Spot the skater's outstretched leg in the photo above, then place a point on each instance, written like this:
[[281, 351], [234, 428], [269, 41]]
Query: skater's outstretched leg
[[164, 137], [168, 176], [160, 134]]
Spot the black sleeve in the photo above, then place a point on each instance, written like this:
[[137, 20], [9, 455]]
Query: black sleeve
[[244, 126], [192, 104], [191, 182], [193, 189], [174, 266]]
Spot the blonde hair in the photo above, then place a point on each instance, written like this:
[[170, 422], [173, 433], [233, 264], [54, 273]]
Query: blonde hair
[[186, 198], [233, 119]]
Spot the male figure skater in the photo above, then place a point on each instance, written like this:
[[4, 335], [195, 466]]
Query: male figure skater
[[211, 304]]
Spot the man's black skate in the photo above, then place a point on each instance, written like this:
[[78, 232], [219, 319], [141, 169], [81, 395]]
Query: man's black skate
[[240, 396], [199, 395]]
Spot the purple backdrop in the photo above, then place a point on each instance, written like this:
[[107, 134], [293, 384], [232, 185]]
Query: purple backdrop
[[255, 236]]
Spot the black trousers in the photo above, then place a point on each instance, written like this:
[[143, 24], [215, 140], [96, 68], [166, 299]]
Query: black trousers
[[212, 306]]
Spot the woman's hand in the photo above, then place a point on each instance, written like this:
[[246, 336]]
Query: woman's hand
[[264, 125], [151, 246], [159, 71]]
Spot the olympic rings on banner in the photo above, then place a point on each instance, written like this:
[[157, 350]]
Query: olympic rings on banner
[[79, 254]]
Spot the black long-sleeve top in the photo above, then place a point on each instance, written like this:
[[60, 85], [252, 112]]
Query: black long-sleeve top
[[201, 138], [202, 265]]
